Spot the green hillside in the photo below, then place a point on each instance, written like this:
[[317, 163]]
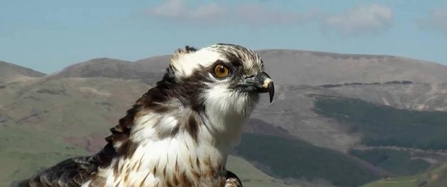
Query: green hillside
[[24, 151], [436, 177], [396, 161], [297, 159], [251, 176], [387, 126]]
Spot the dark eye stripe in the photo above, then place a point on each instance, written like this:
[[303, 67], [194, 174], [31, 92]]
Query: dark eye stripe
[[236, 63], [233, 63]]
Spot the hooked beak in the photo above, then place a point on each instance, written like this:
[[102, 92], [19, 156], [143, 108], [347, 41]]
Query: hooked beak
[[261, 83]]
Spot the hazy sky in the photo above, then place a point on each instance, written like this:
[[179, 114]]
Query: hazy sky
[[48, 35]]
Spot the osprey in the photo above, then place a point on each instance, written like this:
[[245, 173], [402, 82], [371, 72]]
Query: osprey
[[181, 131]]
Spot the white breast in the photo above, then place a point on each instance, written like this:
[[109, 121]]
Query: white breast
[[174, 157]]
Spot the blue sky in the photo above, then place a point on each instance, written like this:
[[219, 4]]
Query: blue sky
[[48, 35]]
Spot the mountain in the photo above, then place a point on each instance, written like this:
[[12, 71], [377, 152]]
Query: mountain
[[11, 72], [114, 68], [291, 67], [316, 68], [322, 119]]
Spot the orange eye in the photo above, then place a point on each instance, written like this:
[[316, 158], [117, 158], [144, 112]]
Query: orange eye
[[221, 71]]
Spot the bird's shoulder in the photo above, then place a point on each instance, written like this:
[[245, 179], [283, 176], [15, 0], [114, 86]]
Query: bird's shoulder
[[232, 180], [70, 172]]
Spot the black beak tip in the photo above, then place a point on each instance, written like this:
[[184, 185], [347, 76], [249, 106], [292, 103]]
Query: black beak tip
[[271, 89]]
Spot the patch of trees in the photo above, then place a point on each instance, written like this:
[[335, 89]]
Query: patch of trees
[[286, 158], [396, 161], [382, 125]]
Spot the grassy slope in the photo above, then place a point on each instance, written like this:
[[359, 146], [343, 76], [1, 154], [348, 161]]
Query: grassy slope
[[251, 176], [436, 177], [397, 182], [396, 161], [23, 152]]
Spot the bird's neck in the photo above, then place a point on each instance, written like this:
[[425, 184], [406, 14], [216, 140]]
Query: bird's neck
[[224, 129], [212, 133]]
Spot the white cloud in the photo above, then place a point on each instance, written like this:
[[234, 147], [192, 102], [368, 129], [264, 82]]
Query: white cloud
[[254, 14], [177, 10], [363, 19], [169, 9], [209, 10], [437, 20], [258, 14]]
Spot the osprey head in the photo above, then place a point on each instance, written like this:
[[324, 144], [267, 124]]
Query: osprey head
[[226, 77]]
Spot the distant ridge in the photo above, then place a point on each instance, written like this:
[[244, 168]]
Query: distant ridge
[[294, 67], [110, 68], [9, 72]]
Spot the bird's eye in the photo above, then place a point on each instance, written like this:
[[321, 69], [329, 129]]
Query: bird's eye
[[221, 71]]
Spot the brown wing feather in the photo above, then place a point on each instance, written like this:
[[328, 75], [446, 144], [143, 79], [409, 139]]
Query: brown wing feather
[[71, 172]]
